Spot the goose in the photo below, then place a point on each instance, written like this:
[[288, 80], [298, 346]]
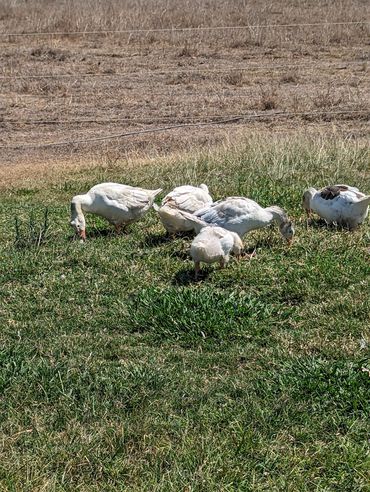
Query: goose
[[241, 215], [119, 204], [183, 198], [341, 204], [212, 243]]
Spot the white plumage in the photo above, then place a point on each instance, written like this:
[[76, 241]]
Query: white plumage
[[183, 198], [341, 204], [119, 204], [241, 215], [214, 244]]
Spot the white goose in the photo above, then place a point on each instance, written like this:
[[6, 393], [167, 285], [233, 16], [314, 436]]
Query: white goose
[[241, 215], [212, 243], [183, 198], [340, 204], [119, 204]]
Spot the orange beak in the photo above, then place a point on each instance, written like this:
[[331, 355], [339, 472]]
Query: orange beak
[[82, 234], [290, 242]]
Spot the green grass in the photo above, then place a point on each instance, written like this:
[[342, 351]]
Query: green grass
[[118, 372]]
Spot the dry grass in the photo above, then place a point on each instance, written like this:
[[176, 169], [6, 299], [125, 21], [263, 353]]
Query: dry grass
[[42, 170], [159, 14], [146, 80]]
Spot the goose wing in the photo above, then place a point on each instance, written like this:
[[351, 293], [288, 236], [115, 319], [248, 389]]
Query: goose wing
[[119, 196], [129, 199], [229, 210], [188, 198]]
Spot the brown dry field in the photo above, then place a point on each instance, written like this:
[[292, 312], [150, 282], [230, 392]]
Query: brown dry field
[[94, 85]]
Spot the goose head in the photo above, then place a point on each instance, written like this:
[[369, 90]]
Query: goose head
[[79, 227], [287, 231], [238, 244], [78, 220], [204, 187]]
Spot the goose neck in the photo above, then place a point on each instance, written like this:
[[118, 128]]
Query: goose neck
[[277, 214], [79, 204]]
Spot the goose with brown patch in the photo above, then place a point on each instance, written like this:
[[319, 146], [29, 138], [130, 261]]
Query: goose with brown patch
[[339, 204], [119, 204]]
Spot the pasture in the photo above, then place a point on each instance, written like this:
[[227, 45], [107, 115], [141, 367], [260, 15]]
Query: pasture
[[117, 370]]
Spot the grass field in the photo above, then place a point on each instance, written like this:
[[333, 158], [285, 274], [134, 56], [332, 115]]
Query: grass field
[[119, 372]]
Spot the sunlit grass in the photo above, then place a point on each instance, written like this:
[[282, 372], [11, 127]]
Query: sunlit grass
[[119, 372]]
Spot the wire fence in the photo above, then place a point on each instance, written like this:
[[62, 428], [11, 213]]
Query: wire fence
[[159, 118], [187, 120], [185, 29], [229, 120], [190, 70]]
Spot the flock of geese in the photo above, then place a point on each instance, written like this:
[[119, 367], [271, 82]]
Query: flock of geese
[[219, 226]]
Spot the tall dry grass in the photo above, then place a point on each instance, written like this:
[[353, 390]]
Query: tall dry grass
[[157, 78], [78, 15]]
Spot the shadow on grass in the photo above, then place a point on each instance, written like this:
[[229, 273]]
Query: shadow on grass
[[98, 233], [322, 224], [181, 254], [106, 232], [265, 243], [186, 276], [154, 240]]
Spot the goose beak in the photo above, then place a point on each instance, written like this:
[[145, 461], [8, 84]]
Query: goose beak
[[290, 242], [82, 235]]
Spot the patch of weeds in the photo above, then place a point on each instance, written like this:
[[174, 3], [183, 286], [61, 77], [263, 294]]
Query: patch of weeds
[[44, 53], [32, 234], [187, 52], [234, 78], [289, 78], [268, 98]]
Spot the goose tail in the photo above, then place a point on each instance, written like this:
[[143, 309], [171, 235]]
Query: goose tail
[[362, 203], [197, 223], [156, 192]]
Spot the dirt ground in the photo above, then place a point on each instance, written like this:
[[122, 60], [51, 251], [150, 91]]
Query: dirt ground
[[71, 88]]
